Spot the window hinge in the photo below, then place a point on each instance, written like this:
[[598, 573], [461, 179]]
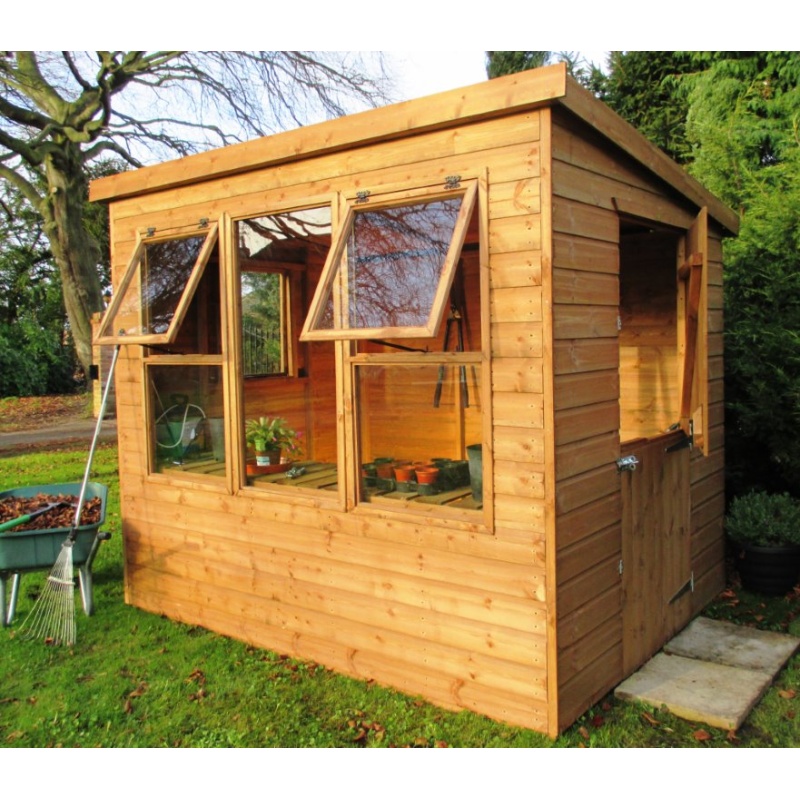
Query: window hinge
[[452, 182], [151, 232], [203, 222], [687, 441], [363, 196]]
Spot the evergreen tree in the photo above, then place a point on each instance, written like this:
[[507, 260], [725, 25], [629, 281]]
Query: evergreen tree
[[744, 113], [506, 62], [644, 87]]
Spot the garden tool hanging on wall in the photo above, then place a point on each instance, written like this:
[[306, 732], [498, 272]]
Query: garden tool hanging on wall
[[455, 319]]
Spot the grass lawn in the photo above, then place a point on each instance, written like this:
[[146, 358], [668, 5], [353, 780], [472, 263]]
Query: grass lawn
[[138, 680]]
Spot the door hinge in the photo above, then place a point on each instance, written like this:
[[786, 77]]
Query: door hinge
[[621, 566], [627, 463]]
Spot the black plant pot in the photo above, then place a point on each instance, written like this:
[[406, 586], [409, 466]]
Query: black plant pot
[[769, 570]]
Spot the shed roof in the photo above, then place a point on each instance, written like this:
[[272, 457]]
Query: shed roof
[[498, 97]]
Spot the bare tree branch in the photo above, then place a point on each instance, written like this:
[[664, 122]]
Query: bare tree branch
[[61, 111]]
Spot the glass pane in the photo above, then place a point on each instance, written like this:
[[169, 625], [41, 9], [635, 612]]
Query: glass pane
[[186, 419], [393, 263], [159, 279], [287, 385], [420, 433]]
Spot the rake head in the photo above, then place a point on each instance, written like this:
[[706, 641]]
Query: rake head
[[52, 617]]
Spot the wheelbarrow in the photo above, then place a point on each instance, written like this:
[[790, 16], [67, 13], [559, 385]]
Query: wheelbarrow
[[30, 551]]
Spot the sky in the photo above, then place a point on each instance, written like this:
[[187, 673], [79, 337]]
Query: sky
[[422, 72]]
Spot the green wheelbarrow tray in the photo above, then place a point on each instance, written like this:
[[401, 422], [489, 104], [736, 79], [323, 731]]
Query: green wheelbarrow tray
[[30, 551]]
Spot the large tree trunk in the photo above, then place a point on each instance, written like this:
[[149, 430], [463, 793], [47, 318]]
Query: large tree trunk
[[74, 250]]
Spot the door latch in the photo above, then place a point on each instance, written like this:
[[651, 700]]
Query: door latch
[[627, 463]]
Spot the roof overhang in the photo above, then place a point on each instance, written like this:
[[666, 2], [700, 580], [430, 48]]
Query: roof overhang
[[511, 94]]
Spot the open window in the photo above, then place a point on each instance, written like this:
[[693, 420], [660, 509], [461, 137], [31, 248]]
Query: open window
[[390, 270], [157, 287], [169, 302], [402, 288], [663, 330]]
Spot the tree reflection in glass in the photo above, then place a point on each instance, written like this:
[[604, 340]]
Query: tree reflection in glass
[[394, 261]]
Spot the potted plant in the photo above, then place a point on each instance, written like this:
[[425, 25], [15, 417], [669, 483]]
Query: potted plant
[[764, 529], [270, 437]]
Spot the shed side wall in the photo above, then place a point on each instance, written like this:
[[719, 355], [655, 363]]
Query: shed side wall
[[447, 611], [591, 182]]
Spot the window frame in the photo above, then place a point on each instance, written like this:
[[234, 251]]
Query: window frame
[[287, 339]]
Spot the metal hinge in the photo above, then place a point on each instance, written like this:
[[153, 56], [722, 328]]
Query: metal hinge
[[452, 182], [621, 566], [363, 196], [627, 463], [687, 441]]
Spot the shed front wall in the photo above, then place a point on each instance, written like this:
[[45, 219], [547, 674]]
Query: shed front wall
[[453, 610], [593, 187]]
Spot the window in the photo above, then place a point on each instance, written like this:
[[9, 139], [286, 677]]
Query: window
[[264, 296], [390, 272], [186, 414], [280, 258], [663, 341], [157, 287], [402, 285], [169, 302]]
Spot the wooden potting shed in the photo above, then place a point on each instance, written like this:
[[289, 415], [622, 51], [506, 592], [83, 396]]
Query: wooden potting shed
[[504, 281]]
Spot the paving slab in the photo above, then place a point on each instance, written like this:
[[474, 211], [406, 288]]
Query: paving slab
[[733, 645], [713, 672], [699, 691]]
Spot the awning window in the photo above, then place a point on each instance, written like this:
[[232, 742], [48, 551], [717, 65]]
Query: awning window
[[157, 287], [390, 270]]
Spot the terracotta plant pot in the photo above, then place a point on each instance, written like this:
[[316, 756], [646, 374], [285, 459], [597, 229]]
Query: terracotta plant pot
[[427, 474], [404, 472], [384, 467]]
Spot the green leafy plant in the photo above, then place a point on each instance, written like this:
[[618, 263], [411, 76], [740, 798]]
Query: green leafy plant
[[272, 433], [763, 519]]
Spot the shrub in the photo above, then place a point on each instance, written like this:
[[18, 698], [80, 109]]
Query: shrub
[[764, 519]]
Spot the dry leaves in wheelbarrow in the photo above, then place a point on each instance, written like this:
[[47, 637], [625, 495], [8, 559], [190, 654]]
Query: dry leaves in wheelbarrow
[[61, 516]]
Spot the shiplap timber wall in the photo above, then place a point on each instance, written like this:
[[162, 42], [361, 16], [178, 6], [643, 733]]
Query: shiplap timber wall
[[435, 607], [590, 181]]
